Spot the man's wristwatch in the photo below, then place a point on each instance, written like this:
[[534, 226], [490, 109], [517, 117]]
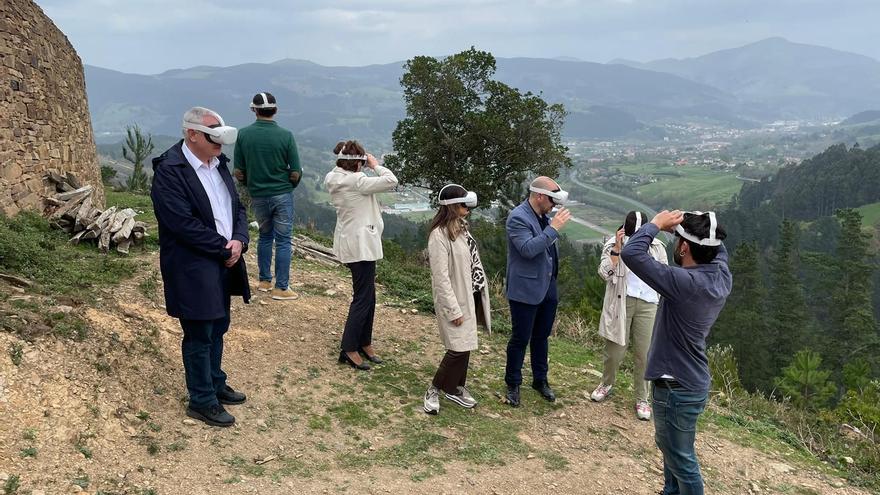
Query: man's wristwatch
[[614, 253]]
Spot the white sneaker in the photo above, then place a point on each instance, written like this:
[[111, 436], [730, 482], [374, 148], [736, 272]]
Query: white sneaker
[[601, 393], [432, 400], [643, 410], [463, 398]]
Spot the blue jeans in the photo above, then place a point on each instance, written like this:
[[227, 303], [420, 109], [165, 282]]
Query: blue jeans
[[202, 349], [275, 216], [675, 429], [532, 324]]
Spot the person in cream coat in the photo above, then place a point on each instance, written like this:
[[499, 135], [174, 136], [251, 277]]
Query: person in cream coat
[[461, 295], [627, 314], [357, 242]]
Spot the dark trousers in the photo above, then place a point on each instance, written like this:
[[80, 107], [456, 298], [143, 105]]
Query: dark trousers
[[452, 372], [532, 324], [359, 324], [202, 355]]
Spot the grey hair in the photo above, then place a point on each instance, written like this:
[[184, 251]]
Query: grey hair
[[196, 115]]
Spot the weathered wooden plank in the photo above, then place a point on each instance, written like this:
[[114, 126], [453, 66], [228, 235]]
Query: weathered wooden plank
[[68, 195], [125, 231], [123, 245], [120, 218], [104, 242], [78, 237], [96, 224], [71, 179]]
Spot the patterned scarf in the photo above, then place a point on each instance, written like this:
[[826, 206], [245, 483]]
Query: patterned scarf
[[478, 275]]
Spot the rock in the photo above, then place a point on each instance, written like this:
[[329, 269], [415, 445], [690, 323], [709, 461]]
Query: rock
[[530, 456], [261, 423], [414, 311], [849, 460], [330, 292], [38, 492], [781, 468], [4, 477], [754, 488], [557, 438], [190, 422]]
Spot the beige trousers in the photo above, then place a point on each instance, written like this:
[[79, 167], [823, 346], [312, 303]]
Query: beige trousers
[[639, 328]]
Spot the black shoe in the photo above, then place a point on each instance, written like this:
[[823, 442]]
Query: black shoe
[[513, 395], [230, 397], [212, 415], [544, 389], [344, 359], [374, 358]]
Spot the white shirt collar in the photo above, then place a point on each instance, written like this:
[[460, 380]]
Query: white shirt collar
[[194, 160]]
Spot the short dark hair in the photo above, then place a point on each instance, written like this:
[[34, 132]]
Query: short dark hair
[[629, 225], [699, 225], [351, 148], [262, 99], [266, 112]]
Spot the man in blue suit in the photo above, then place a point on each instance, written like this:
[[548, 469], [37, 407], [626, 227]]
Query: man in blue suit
[[532, 268], [202, 236]]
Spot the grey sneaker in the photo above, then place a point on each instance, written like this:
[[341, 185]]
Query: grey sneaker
[[432, 400], [463, 398]]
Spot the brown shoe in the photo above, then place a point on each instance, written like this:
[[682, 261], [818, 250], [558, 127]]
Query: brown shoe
[[264, 286], [284, 294]]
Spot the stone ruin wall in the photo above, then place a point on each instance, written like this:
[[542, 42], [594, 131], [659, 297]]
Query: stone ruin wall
[[44, 113]]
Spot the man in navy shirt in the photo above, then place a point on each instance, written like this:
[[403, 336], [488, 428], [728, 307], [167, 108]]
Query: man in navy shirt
[[692, 296]]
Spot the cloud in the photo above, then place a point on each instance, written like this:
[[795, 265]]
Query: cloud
[[149, 36]]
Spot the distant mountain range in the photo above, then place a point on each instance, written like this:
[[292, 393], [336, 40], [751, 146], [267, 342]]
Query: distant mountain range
[[776, 78], [764, 81]]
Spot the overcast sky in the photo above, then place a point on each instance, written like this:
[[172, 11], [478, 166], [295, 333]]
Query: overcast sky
[[151, 36]]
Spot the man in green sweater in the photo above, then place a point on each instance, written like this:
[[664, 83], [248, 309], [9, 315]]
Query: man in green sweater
[[266, 161]]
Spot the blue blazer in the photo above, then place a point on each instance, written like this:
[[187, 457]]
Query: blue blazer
[[192, 254], [529, 265]]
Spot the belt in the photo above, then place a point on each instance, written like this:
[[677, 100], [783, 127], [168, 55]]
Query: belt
[[668, 384]]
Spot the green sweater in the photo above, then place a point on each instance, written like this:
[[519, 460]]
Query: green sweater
[[266, 153]]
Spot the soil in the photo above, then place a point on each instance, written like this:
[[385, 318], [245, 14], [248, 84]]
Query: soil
[[107, 414]]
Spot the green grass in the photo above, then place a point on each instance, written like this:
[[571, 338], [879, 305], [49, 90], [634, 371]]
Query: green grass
[[687, 187], [31, 249], [870, 214]]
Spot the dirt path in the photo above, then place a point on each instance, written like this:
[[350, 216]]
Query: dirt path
[[106, 415]]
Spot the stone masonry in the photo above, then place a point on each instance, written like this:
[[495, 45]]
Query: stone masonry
[[44, 113]]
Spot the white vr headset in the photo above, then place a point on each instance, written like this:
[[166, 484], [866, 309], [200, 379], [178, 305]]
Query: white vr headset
[[469, 199], [558, 197], [217, 134], [265, 103], [713, 225]]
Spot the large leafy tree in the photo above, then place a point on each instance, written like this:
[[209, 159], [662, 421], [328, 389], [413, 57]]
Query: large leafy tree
[[464, 127]]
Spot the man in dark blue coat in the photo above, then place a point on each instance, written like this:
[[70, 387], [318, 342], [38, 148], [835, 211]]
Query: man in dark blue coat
[[202, 236], [532, 268]]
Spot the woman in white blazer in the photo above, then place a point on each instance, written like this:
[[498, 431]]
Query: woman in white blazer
[[461, 295], [627, 314], [357, 242]]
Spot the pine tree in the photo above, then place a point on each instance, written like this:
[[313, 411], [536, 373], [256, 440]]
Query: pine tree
[[743, 323], [789, 320], [805, 382], [137, 149], [853, 331]]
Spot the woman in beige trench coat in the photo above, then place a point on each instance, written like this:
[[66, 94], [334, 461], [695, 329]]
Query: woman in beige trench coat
[[627, 315], [461, 295]]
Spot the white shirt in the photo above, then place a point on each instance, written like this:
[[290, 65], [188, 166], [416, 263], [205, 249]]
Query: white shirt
[[215, 188], [638, 289]]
